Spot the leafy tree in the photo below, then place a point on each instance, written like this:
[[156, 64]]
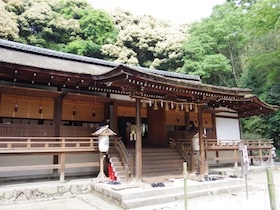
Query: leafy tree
[[145, 41], [65, 25], [262, 60], [222, 35], [8, 24]]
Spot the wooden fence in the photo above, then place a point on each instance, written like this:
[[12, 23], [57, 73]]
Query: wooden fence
[[53, 146], [257, 149]]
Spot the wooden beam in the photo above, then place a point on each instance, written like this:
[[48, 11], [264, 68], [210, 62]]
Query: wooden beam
[[138, 145]]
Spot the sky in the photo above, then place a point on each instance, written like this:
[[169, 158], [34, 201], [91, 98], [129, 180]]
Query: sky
[[176, 11]]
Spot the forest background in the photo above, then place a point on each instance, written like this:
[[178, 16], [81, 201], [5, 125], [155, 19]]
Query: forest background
[[237, 46]]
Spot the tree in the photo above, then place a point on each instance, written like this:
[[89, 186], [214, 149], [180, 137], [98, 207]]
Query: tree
[[146, 42], [223, 35], [66, 25], [262, 60], [8, 24]]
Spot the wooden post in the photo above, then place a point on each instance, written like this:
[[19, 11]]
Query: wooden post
[[62, 167], [201, 142], [57, 122], [138, 145], [101, 164]]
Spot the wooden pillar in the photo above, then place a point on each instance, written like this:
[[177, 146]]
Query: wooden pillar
[[57, 123], [114, 121], [201, 143], [138, 144]]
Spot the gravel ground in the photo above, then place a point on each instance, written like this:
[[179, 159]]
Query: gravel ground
[[258, 199]]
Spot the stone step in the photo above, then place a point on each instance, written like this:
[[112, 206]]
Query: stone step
[[145, 195], [165, 197]]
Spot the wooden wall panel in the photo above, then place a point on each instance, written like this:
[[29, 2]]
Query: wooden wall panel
[[193, 117], [175, 118], [7, 105], [129, 111], [47, 108], [28, 107], [83, 111], [99, 112], [207, 120]]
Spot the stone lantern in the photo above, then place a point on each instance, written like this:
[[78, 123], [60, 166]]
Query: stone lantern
[[103, 134]]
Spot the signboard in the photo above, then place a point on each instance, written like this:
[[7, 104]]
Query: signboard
[[244, 158]]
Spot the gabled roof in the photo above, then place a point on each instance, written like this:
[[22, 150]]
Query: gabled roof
[[34, 65], [66, 58]]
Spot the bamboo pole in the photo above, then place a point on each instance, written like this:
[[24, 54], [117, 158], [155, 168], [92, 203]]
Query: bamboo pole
[[185, 185], [271, 189]]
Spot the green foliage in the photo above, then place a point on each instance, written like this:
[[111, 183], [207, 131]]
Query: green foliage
[[221, 37], [238, 45], [146, 41], [262, 60], [83, 47], [65, 25], [256, 124]]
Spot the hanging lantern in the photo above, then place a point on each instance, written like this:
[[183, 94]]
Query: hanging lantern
[[172, 105], [166, 106], [191, 107], [40, 109], [16, 107], [150, 103], [93, 113], [155, 105], [74, 112], [182, 106]]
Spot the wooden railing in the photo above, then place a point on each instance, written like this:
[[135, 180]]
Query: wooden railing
[[127, 159], [257, 149], [50, 145], [184, 148]]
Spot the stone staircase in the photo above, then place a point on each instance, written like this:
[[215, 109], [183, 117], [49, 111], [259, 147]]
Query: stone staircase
[[134, 196], [156, 162]]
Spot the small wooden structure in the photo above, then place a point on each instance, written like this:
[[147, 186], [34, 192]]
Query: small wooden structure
[[46, 94]]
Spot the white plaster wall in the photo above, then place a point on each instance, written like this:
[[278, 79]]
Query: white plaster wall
[[82, 158], [27, 160], [227, 128]]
